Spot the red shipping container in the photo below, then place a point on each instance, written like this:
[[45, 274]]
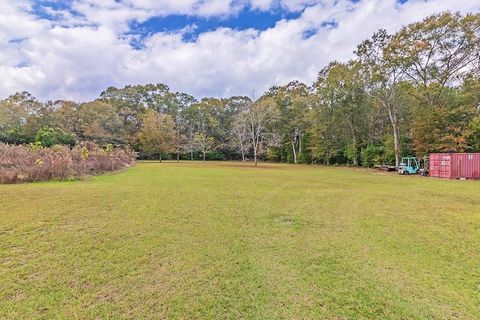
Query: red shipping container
[[455, 165]]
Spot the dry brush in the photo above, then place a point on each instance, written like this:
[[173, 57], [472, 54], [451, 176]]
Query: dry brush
[[19, 163]]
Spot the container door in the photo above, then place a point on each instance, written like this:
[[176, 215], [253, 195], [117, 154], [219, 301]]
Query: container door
[[434, 169], [465, 166], [476, 166], [458, 166], [445, 166], [470, 166]]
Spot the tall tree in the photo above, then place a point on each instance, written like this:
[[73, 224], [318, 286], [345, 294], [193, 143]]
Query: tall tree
[[99, 121], [322, 119], [189, 137], [235, 138], [344, 86], [157, 133], [21, 115], [177, 104], [261, 117], [293, 100], [204, 143], [383, 75], [66, 116], [436, 54], [203, 124], [239, 138]]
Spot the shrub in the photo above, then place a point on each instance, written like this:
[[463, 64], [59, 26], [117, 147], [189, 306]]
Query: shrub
[[350, 153], [35, 162], [372, 155], [49, 137], [215, 155]]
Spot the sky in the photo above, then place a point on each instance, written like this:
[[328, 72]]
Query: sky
[[75, 49]]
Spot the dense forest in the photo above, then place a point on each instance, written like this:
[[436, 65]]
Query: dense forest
[[410, 93]]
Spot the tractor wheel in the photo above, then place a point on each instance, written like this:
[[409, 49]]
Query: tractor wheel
[[405, 173]]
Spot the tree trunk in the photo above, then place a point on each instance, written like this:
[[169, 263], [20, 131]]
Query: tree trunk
[[396, 132], [354, 142], [159, 157], [191, 154], [396, 143], [178, 157], [203, 155], [255, 158], [355, 154], [392, 110], [294, 152], [242, 150], [355, 149], [299, 144]]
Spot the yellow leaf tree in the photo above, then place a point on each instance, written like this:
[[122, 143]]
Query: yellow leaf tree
[[157, 134]]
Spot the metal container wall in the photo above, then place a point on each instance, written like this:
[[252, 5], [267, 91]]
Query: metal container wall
[[440, 165], [455, 165]]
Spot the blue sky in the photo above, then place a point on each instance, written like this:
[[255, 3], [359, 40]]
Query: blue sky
[[245, 19], [75, 49], [241, 18]]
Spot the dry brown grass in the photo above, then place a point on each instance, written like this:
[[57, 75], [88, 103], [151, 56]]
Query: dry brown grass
[[33, 163]]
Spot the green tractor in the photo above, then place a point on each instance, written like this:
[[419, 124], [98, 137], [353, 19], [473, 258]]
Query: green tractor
[[414, 165]]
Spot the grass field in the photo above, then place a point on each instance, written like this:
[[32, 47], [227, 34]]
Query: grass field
[[226, 241]]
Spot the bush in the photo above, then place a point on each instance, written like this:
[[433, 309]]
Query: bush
[[350, 153], [273, 154], [16, 135], [214, 155], [35, 162], [372, 155], [48, 137]]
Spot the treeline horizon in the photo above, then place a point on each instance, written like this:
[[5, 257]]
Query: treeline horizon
[[410, 93]]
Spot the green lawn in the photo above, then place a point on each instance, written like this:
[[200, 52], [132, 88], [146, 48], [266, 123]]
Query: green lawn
[[226, 241]]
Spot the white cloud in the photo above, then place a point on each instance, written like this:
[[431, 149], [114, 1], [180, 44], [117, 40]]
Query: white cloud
[[77, 57]]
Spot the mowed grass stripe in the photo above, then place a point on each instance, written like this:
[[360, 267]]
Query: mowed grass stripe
[[225, 240]]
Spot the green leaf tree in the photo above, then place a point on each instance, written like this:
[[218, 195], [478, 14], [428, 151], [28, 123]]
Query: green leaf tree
[[48, 137], [204, 143]]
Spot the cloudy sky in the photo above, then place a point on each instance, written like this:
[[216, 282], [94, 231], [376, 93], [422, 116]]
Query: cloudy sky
[[74, 49]]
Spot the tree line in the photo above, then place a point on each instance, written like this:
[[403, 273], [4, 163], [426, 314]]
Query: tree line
[[413, 92]]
